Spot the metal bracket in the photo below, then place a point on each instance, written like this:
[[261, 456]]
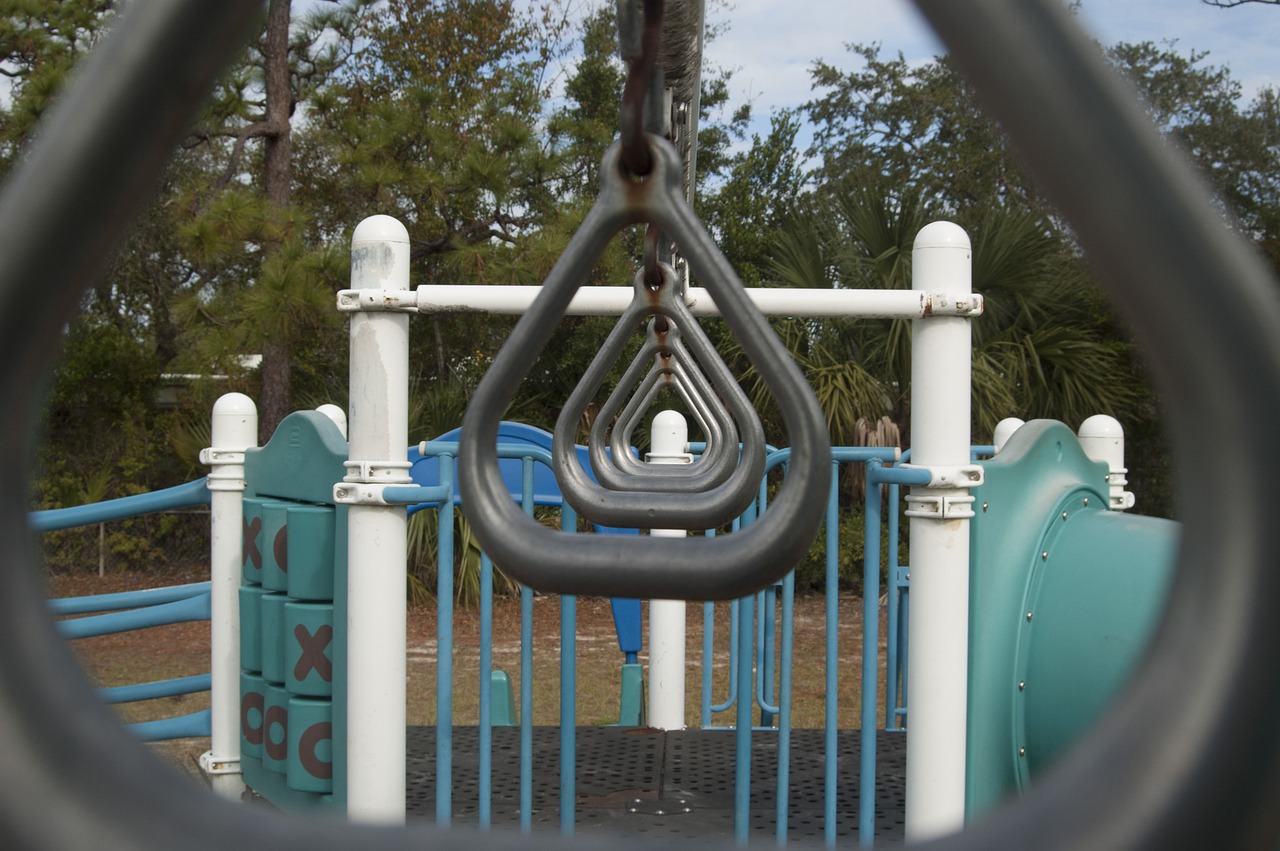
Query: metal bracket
[[218, 765], [228, 468], [952, 304], [940, 507], [365, 481], [373, 300], [965, 476]]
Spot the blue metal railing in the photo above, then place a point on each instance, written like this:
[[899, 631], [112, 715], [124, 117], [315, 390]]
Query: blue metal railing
[[108, 614], [759, 653]]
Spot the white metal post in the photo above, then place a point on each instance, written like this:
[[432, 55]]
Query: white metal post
[[1004, 430], [376, 553], [939, 627], [234, 429], [669, 440], [1102, 439]]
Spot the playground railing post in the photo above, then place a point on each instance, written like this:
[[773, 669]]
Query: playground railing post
[[939, 535], [670, 443], [234, 429], [1102, 438], [377, 549]]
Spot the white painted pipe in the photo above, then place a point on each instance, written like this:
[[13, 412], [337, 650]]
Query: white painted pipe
[[611, 301], [939, 627], [1004, 430], [233, 430], [669, 440], [376, 555], [1102, 439]]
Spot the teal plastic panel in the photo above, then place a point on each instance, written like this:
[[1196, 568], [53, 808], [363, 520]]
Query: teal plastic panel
[[275, 546], [302, 461], [253, 714], [1096, 597], [631, 701], [311, 554], [310, 745], [251, 627], [252, 546], [1092, 584], [275, 730], [308, 657], [273, 637], [502, 703]]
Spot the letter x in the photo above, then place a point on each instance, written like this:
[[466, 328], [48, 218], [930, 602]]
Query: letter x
[[251, 551], [313, 647]]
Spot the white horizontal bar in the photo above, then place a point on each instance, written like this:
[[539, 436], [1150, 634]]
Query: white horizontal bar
[[611, 301]]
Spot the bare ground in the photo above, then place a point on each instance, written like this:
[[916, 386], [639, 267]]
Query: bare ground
[[182, 650]]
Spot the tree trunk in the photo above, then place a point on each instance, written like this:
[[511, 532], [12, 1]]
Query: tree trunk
[[277, 181]]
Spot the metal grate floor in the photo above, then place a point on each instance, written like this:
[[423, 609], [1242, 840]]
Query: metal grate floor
[[668, 786]]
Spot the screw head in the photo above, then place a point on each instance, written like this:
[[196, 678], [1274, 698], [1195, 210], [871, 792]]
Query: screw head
[[1044, 556], [1022, 684], [984, 508], [1028, 615], [1022, 751], [1064, 515], [1086, 500]]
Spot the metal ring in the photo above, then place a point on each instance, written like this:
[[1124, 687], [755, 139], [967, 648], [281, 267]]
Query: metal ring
[[722, 567], [664, 369], [1172, 765]]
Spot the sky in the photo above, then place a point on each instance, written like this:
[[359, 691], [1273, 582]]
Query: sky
[[771, 44]]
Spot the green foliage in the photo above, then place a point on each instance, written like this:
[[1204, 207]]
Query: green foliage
[[424, 553]]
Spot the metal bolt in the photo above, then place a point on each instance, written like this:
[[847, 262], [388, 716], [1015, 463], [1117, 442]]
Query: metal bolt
[[984, 508], [1022, 684], [1028, 615], [1044, 556], [1086, 501], [1064, 515], [1022, 751]]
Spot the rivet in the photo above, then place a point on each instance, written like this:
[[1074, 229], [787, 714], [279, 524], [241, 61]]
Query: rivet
[[1022, 684], [1064, 515], [1022, 751], [1044, 556], [984, 508], [1086, 500], [1028, 615]]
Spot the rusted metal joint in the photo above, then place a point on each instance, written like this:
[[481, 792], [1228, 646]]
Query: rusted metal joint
[[635, 150]]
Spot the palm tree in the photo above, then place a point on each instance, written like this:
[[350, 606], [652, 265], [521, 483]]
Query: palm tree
[[1044, 347]]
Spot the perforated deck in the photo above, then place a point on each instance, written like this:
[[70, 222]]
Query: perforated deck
[[676, 785]]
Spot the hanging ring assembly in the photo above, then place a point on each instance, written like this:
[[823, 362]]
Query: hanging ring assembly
[[693, 568]]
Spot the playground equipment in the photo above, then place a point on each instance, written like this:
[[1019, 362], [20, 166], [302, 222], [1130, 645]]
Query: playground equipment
[[1157, 771]]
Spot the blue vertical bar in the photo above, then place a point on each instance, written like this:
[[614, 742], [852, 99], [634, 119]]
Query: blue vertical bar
[[896, 627], [486, 692], [870, 654], [742, 733], [526, 679], [444, 650], [568, 714], [708, 653], [831, 721], [784, 707], [568, 695], [734, 611], [770, 662]]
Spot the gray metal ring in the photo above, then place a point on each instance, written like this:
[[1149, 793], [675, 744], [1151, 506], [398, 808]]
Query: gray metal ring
[[1174, 765], [616, 468]]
